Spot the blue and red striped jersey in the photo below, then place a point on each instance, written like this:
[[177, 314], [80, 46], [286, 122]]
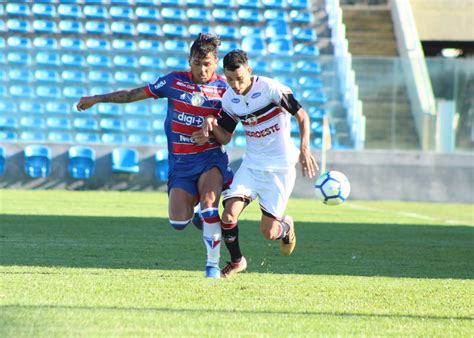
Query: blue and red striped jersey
[[188, 104]]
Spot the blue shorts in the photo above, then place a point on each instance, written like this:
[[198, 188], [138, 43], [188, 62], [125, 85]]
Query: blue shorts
[[189, 181]]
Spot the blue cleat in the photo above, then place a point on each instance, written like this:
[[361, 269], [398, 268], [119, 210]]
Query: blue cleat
[[197, 220], [213, 272]]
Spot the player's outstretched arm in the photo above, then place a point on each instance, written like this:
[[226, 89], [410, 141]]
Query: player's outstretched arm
[[120, 96], [307, 160], [210, 127]]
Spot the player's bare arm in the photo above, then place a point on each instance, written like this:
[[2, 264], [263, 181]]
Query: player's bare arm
[[120, 96], [307, 160]]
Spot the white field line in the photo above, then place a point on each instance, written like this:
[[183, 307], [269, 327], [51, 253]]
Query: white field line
[[401, 213]]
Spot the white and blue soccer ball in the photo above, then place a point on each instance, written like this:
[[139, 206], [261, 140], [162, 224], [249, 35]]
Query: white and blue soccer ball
[[332, 188]]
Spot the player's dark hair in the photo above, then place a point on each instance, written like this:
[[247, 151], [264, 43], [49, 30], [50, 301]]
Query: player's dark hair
[[205, 44], [235, 59]]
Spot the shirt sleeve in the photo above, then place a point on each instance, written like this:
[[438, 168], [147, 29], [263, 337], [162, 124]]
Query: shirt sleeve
[[158, 88], [227, 121], [283, 96]]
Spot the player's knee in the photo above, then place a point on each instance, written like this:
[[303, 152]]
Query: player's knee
[[179, 225], [228, 222]]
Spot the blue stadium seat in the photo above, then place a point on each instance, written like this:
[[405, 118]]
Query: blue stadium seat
[[85, 124], [60, 137], [99, 91], [198, 3], [198, 14], [152, 62], [46, 75], [128, 78], [81, 162], [249, 4], [152, 46], [20, 91], [17, 9], [72, 44], [300, 17], [97, 27], [69, 11], [31, 107], [282, 66], [146, 28], [58, 123], [140, 139], [148, 77], [2, 26], [8, 122], [57, 108], [19, 58], [8, 136], [109, 109], [173, 14], [48, 92], [195, 29], [161, 140], [176, 46], [310, 82], [125, 61], [18, 42], [227, 46], [96, 12], [306, 50], [254, 46], [18, 26], [3, 59], [227, 32], [44, 10], [252, 31], [279, 4], [136, 109], [239, 141], [249, 15], [275, 14], [75, 76], [41, 42], [175, 30], [96, 60], [316, 113], [159, 108], [32, 122], [312, 96], [45, 26], [281, 47], [48, 59], [121, 12], [21, 75], [98, 44], [289, 81], [87, 138], [224, 15], [138, 125], [223, 3], [112, 125], [100, 76], [308, 67], [33, 136], [125, 160], [299, 4], [259, 66], [278, 29], [147, 13], [74, 92], [123, 28], [161, 165], [7, 107], [176, 3], [113, 138], [123, 2], [37, 160], [124, 45], [3, 156], [147, 2], [304, 34], [176, 63], [71, 27], [3, 75]]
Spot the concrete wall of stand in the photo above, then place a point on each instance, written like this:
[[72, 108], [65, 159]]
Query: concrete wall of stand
[[374, 175]]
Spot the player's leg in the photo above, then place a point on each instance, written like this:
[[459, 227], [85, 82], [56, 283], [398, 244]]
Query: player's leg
[[273, 201], [180, 207], [233, 207], [210, 187]]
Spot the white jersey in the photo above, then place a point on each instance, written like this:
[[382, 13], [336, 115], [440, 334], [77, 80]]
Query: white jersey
[[265, 112]]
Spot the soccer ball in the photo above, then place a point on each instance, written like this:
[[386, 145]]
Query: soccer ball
[[332, 188]]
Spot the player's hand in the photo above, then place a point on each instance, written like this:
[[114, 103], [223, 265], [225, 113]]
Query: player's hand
[[308, 163], [199, 138], [208, 125], [86, 102]]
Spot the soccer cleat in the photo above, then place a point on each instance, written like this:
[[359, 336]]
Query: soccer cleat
[[197, 220], [288, 243], [233, 268], [212, 272]]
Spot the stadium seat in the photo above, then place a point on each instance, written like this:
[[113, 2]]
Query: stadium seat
[[176, 63], [99, 91], [20, 91], [47, 59], [41, 42], [97, 27], [277, 29], [223, 3], [175, 30], [87, 138], [198, 3], [124, 45], [152, 46], [112, 125], [113, 138], [37, 160], [127, 78], [8, 136], [60, 137], [3, 156], [123, 28], [177, 3], [173, 14], [304, 34], [17, 9], [147, 2], [249, 15], [74, 44], [75, 76], [259, 66], [148, 77], [44, 10], [227, 46], [310, 82], [8, 122], [19, 58], [139, 139], [306, 50], [227, 32], [224, 15], [96, 60], [21, 75], [316, 113], [74, 60], [122, 2], [96, 12], [45, 75], [151, 29], [253, 45], [147, 13], [125, 160], [299, 4], [136, 109], [161, 165], [18, 42], [312, 96], [71, 27], [125, 61], [31, 107], [152, 62], [195, 29], [98, 44], [161, 140], [281, 47], [85, 124], [138, 125], [198, 14], [57, 108], [158, 125], [32, 122], [33, 136], [176, 46], [121, 12], [279, 4], [159, 108], [48, 92], [81, 162], [289, 81], [69, 11], [109, 109], [18, 26], [275, 14], [249, 4], [45, 26], [300, 17], [100, 76], [74, 92], [306, 66], [58, 123], [7, 107], [252, 31], [282, 66]]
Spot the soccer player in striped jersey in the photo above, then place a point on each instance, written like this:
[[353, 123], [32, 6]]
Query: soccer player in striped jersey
[[264, 107], [197, 173]]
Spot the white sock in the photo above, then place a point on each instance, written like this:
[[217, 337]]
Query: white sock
[[212, 238]]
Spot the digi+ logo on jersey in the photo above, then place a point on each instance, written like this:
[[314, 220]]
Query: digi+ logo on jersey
[[190, 120]]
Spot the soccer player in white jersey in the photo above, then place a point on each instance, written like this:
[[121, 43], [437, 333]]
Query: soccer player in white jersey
[[264, 107]]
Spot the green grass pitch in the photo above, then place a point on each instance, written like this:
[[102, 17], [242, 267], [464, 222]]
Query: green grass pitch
[[108, 264]]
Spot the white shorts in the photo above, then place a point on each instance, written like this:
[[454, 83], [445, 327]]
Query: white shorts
[[273, 188]]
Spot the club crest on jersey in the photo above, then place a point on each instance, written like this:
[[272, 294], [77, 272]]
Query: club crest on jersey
[[197, 99], [251, 120]]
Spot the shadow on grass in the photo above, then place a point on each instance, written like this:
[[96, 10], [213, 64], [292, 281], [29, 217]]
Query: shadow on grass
[[392, 250]]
